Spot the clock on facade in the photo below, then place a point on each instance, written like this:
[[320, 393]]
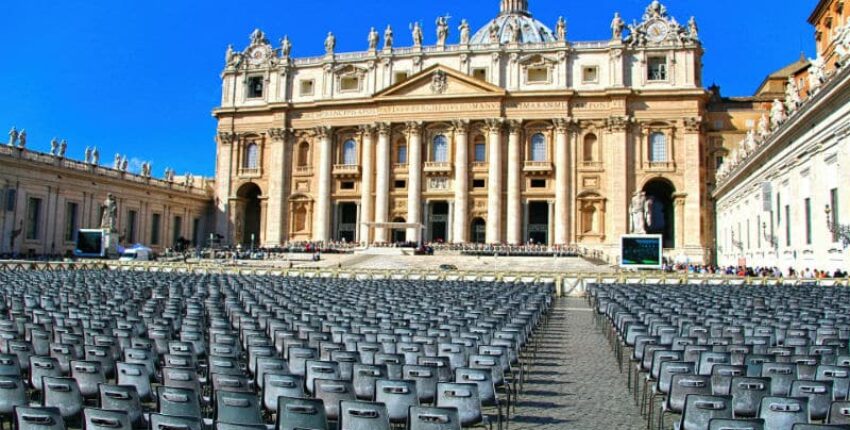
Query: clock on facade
[[657, 31]]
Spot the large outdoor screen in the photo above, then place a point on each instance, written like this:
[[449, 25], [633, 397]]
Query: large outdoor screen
[[89, 244], [641, 252]]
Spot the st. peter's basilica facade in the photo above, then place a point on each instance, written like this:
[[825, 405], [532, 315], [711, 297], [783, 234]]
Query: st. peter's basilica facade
[[510, 134]]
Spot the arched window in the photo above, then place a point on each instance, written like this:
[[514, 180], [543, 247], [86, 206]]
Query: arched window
[[480, 150], [590, 147], [538, 147], [440, 149], [303, 154], [349, 153], [657, 147], [401, 152], [252, 156]]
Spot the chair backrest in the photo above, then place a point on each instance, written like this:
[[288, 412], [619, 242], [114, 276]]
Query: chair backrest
[[332, 392], [701, 409], [171, 422], [684, 385], [300, 414], [88, 375], [237, 408], [231, 383], [781, 375], [426, 381], [839, 412], [281, 385], [784, 412], [103, 419], [29, 418], [64, 394], [464, 398], [356, 415], [364, 377], [840, 377], [726, 424], [178, 401], [181, 378], [136, 375], [819, 394], [484, 379], [670, 369], [721, 378], [41, 366], [398, 396], [13, 392], [424, 418], [317, 369], [269, 365], [122, 398], [747, 394], [298, 357]]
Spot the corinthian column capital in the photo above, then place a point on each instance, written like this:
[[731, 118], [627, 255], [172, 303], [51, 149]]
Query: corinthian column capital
[[323, 131], [460, 126], [414, 127], [494, 125], [279, 134], [382, 128]]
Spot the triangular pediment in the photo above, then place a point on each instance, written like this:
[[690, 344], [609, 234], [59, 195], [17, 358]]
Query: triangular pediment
[[440, 81]]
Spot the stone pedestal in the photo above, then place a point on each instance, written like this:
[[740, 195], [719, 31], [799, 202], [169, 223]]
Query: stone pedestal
[[110, 244]]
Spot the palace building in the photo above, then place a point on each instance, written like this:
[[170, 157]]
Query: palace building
[[509, 134]]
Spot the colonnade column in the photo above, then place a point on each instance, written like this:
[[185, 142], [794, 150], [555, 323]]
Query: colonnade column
[[514, 216], [323, 198], [494, 191], [365, 186], [561, 182], [276, 230], [461, 185], [694, 190], [382, 180], [414, 180]]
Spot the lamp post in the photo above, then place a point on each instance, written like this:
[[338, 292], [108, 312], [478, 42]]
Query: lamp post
[[838, 231]]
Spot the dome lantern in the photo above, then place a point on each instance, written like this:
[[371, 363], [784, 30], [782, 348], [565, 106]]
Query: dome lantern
[[519, 7]]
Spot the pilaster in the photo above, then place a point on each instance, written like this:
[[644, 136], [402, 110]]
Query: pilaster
[[494, 191]]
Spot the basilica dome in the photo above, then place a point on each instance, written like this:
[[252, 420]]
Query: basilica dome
[[513, 15]]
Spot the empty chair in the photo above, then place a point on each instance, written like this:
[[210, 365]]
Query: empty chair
[[364, 377], [398, 396], [88, 375], [426, 381], [298, 357], [784, 412], [747, 394], [268, 365], [721, 378], [464, 398], [40, 367], [143, 357], [781, 376], [122, 398], [135, 374], [320, 370], [357, 415], [178, 401], [237, 408], [681, 386], [280, 385], [10, 365], [424, 418], [63, 394], [29, 418], [839, 412], [181, 378], [727, 424], [840, 377], [300, 414], [13, 393], [229, 426], [331, 392], [486, 388], [232, 383], [172, 422], [819, 394], [102, 419], [701, 409]]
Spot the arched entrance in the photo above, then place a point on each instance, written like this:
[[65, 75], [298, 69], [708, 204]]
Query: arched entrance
[[248, 217], [661, 216], [398, 235], [479, 230]]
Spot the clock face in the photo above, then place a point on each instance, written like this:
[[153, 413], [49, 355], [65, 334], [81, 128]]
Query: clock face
[[657, 31], [257, 56]]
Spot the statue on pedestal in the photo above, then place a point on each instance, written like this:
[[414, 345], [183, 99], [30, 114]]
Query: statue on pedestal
[[792, 96], [116, 162], [87, 158], [442, 30], [63, 146], [95, 156], [124, 164], [817, 75], [374, 38], [561, 29], [651, 221], [777, 114], [464, 32], [109, 221], [22, 139], [764, 127], [416, 29], [13, 136], [514, 32], [232, 58], [693, 29], [54, 146], [388, 37], [330, 43], [617, 27], [285, 47], [636, 211]]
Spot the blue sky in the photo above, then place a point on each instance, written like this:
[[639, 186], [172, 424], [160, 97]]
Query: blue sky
[[141, 77]]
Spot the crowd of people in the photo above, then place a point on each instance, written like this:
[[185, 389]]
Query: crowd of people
[[755, 272]]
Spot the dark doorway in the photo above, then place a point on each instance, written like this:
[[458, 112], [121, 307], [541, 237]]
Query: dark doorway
[[661, 220], [538, 222], [479, 231], [347, 222], [438, 221], [250, 194], [398, 234]]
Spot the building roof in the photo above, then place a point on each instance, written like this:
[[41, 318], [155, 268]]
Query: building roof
[[783, 74], [514, 14], [818, 11]]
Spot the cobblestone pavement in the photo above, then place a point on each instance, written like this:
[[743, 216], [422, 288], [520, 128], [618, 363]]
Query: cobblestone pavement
[[575, 382]]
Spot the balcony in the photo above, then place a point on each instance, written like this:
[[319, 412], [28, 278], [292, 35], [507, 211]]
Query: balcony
[[303, 171], [590, 166], [479, 166], [346, 170], [438, 168], [537, 167], [249, 172], [661, 166]]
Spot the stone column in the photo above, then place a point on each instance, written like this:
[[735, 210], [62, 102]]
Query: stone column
[[223, 173], [414, 179], [382, 180], [450, 223], [679, 215], [619, 185], [279, 166], [460, 223], [321, 232], [514, 216], [494, 191], [550, 235], [561, 182], [365, 185], [694, 187]]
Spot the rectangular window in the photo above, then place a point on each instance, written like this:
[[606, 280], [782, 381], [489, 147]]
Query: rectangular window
[[807, 206], [306, 87], [400, 185], [479, 183], [657, 68], [480, 153], [255, 87], [833, 204], [480, 74], [71, 215], [132, 226], [590, 75], [11, 196], [400, 77], [33, 218], [177, 230], [347, 185], [349, 83], [538, 75], [787, 225], [155, 225], [538, 183]]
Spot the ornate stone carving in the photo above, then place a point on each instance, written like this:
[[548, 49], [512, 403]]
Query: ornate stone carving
[[439, 82], [366, 129], [494, 125], [617, 27], [13, 136], [562, 125], [226, 138], [561, 29], [322, 131], [383, 128], [416, 31], [692, 124], [330, 43], [618, 123], [460, 126], [513, 126], [464, 32], [442, 30], [373, 39], [413, 127], [109, 220], [388, 37], [279, 134], [285, 47]]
